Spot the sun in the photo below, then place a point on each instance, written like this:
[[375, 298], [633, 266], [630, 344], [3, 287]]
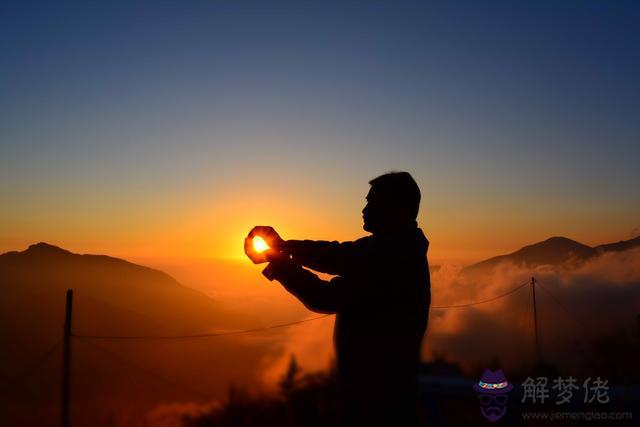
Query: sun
[[259, 245]]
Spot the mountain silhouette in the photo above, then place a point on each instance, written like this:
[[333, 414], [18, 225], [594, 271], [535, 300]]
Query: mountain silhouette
[[133, 296], [553, 251], [622, 245], [111, 297]]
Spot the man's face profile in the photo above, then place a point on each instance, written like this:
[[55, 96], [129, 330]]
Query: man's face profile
[[371, 214]]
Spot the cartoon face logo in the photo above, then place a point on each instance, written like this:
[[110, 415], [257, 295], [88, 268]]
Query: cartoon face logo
[[493, 391]]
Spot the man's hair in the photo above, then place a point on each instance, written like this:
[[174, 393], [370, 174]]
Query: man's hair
[[400, 189]]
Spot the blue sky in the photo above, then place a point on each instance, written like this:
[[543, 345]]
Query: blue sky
[[518, 119]]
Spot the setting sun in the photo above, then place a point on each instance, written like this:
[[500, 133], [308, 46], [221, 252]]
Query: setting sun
[[259, 245]]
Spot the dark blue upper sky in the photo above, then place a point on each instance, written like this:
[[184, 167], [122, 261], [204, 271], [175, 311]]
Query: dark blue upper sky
[[489, 104]]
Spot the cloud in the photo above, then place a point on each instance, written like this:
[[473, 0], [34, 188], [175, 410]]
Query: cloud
[[311, 343], [576, 307]]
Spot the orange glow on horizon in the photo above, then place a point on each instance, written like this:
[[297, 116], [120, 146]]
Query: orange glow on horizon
[[212, 225]]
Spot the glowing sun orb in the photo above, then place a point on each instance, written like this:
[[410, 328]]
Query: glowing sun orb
[[259, 245]]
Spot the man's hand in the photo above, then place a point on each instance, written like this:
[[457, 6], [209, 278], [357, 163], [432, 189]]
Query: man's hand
[[271, 238], [269, 235]]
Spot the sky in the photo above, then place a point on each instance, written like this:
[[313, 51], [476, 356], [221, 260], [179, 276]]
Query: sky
[[169, 129]]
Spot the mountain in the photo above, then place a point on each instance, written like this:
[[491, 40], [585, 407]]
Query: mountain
[[622, 245], [111, 297], [553, 251]]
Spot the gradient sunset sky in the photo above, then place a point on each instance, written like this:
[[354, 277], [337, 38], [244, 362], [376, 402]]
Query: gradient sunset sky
[[168, 129]]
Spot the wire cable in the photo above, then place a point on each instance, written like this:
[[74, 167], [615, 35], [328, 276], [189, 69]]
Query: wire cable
[[277, 326], [484, 301], [219, 334]]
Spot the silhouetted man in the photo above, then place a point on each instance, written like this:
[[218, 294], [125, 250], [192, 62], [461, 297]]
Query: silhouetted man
[[381, 297]]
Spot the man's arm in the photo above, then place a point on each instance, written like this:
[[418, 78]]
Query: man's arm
[[326, 257], [316, 294]]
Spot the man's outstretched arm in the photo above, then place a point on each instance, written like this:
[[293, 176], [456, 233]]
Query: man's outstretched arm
[[316, 294], [326, 257]]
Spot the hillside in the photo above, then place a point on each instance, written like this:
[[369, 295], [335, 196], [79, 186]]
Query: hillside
[[111, 297], [553, 251], [103, 287]]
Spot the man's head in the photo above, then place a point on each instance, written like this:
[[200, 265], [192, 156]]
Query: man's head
[[392, 203]]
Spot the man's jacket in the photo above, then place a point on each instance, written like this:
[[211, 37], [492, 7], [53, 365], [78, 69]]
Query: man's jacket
[[381, 297]]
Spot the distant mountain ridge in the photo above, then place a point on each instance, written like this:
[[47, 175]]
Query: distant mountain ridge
[[150, 299], [556, 250], [42, 253]]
